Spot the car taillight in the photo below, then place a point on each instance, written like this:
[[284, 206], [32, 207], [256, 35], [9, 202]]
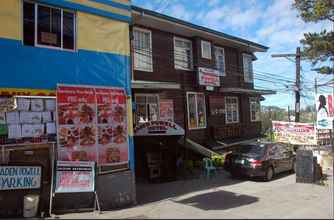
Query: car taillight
[[255, 163]]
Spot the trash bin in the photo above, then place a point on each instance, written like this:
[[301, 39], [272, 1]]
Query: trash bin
[[30, 205]]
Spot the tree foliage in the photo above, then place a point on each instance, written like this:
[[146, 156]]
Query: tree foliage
[[318, 47]]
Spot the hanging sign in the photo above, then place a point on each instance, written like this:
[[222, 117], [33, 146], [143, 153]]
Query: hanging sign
[[208, 77], [78, 176], [20, 177], [156, 128], [166, 110], [325, 111], [294, 133], [92, 124]]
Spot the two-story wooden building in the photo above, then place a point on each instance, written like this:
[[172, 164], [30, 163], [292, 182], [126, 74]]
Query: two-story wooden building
[[198, 78]]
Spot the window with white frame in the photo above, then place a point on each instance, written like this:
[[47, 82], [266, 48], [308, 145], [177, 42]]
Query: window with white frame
[[147, 107], [46, 26], [220, 60], [196, 110], [183, 55], [231, 110], [255, 109], [206, 49], [248, 67], [142, 42]]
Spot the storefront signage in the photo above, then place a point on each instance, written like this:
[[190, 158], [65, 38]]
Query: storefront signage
[[208, 77], [26, 92], [166, 110], [294, 133], [325, 111], [154, 128], [76, 176], [92, 124], [20, 177]]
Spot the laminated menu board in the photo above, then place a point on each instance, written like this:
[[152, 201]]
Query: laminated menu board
[[92, 124], [75, 176]]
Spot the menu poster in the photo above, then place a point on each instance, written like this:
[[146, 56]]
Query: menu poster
[[76, 123], [92, 124], [112, 126], [166, 110], [23, 104]]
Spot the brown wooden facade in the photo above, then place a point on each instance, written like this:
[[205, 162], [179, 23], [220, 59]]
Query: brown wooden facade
[[164, 70]]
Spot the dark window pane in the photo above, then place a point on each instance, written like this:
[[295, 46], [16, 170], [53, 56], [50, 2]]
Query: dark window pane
[[28, 23], [49, 26], [68, 30]]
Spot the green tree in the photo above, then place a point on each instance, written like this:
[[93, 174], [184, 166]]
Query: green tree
[[318, 47]]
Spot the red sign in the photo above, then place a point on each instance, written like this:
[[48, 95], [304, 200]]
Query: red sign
[[166, 110], [208, 77], [92, 124], [155, 128]]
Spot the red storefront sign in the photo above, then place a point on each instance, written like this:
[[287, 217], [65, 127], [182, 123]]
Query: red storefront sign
[[153, 128], [208, 77]]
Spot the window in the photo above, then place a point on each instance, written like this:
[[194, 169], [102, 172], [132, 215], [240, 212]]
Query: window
[[254, 109], [206, 49], [46, 26], [248, 68], [147, 107], [183, 55], [220, 60], [232, 110], [196, 110], [142, 50]]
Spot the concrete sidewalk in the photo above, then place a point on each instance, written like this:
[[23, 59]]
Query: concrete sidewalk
[[223, 197]]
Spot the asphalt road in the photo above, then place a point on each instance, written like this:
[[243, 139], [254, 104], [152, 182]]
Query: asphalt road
[[223, 197]]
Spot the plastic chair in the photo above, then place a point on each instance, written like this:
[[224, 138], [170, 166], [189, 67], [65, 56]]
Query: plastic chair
[[209, 168]]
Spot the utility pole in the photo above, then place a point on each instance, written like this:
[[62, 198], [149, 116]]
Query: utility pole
[[289, 113], [297, 56]]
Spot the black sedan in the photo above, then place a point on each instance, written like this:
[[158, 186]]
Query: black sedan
[[260, 159]]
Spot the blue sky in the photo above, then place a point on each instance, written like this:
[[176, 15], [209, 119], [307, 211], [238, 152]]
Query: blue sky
[[273, 23]]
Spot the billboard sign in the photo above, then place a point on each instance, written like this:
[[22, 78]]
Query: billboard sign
[[20, 177], [294, 133], [325, 111]]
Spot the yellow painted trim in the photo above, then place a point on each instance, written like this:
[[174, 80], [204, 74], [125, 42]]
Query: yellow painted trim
[[10, 19], [102, 34], [130, 119], [102, 7], [26, 92]]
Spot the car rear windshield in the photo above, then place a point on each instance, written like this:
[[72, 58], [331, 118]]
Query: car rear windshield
[[253, 149]]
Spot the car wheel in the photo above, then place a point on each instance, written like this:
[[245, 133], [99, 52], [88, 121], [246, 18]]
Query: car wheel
[[269, 174]]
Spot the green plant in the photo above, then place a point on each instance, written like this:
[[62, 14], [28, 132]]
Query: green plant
[[218, 160]]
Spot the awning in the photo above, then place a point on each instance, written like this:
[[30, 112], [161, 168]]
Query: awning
[[190, 144], [226, 144], [140, 84], [248, 91]]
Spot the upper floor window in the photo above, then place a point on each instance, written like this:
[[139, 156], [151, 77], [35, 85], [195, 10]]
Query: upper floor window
[[50, 27], [196, 110], [183, 55], [254, 109], [231, 110], [206, 49], [248, 67], [147, 107], [220, 60], [142, 42]]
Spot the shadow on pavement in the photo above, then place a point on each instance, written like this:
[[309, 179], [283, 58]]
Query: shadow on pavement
[[218, 200], [149, 192]]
